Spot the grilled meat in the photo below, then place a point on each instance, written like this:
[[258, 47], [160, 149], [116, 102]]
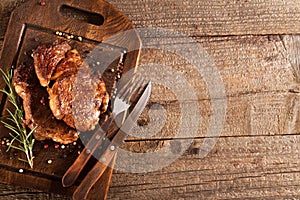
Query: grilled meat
[[69, 65], [78, 99], [37, 113], [46, 58], [61, 95], [77, 96]]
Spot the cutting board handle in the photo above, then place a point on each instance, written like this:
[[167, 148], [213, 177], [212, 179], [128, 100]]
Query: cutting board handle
[[81, 15], [93, 19]]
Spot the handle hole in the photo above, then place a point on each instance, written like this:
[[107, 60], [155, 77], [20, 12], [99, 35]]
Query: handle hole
[[82, 15]]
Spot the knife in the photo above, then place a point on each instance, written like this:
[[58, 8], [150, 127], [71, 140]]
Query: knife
[[92, 177]]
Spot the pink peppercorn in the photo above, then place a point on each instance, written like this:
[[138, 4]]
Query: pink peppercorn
[[42, 101], [43, 3]]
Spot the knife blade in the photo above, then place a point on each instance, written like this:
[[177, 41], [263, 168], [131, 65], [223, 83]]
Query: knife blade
[[92, 177]]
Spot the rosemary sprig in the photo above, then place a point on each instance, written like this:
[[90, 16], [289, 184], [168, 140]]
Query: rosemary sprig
[[22, 139]]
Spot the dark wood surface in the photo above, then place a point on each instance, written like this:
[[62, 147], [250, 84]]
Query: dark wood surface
[[255, 46]]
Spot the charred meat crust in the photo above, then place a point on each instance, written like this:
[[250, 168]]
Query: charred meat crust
[[77, 96], [73, 101], [46, 58], [38, 114]]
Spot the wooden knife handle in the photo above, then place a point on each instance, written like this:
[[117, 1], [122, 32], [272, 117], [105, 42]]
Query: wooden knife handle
[[73, 172], [103, 162], [94, 175]]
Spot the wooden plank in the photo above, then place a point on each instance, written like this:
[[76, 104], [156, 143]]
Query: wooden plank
[[247, 64], [247, 115], [259, 80], [215, 18], [12, 192], [239, 167]]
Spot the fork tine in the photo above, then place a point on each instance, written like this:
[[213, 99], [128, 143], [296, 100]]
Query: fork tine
[[123, 86], [128, 87], [135, 87]]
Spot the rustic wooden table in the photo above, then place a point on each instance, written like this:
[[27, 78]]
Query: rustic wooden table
[[256, 48]]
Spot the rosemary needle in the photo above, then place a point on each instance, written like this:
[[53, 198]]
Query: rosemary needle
[[22, 138]]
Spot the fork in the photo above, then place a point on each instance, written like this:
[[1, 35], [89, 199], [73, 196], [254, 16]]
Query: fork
[[120, 105]]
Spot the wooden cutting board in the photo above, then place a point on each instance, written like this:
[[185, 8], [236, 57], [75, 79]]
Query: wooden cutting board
[[89, 26]]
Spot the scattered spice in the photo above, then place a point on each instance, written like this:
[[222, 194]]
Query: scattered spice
[[49, 161], [42, 101], [21, 170], [56, 146], [42, 3], [46, 146], [62, 146]]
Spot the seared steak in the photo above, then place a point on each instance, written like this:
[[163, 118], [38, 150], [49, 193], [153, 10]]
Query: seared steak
[[69, 64], [37, 111], [77, 96], [60, 94], [46, 58], [77, 99]]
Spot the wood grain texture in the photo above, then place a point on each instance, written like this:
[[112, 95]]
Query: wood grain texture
[[239, 167], [215, 18], [255, 47], [33, 24]]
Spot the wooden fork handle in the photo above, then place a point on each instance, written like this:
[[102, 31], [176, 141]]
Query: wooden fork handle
[[94, 175], [103, 162], [73, 172]]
